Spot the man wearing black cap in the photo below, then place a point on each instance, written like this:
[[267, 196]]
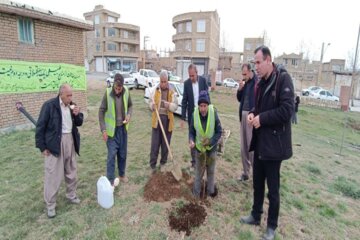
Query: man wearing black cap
[[114, 116], [204, 134]]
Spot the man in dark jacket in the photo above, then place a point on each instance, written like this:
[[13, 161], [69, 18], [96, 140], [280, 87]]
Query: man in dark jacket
[[58, 139], [271, 141], [192, 87], [246, 96], [204, 134]]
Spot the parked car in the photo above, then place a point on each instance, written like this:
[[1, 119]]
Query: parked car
[[229, 82], [176, 86], [324, 94], [173, 77], [146, 78], [129, 81], [307, 91]]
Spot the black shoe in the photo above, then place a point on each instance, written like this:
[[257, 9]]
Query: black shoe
[[215, 193], [269, 234], [243, 178], [249, 220]]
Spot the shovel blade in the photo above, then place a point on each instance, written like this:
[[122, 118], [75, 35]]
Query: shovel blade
[[176, 172]]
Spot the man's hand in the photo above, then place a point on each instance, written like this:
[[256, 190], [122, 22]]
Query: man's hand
[[250, 118], [256, 122], [127, 119], [46, 152], [166, 104], [182, 123], [241, 84], [105, 136], [205, 142], [191, 144], [76, 110]]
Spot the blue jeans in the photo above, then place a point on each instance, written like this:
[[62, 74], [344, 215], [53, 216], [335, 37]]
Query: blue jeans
[[117, 147]]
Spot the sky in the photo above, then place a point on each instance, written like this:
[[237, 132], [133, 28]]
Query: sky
[[290, 26]]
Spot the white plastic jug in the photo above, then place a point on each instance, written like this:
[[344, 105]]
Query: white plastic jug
[[105, 192]]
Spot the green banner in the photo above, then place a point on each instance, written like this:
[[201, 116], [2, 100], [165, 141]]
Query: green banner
[[23, 77]]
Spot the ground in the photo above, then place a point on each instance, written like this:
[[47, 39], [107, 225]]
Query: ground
[[320, 193]]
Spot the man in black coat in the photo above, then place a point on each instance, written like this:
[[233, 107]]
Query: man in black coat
[[192, 88], [271, 141], [58, 139]]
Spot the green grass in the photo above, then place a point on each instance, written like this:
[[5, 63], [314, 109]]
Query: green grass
[[319, 187]]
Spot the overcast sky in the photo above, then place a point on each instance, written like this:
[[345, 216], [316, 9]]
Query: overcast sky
[[288, 24]]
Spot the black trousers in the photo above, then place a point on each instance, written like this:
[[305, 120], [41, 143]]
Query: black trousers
[[269, 171]]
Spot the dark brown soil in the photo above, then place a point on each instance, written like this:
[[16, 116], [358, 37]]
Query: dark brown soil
[[163, 187], [187, 217]]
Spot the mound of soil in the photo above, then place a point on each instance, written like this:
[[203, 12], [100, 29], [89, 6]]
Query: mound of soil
[[163, 187], [187, 217]]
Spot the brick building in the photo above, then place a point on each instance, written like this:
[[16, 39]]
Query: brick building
[[112, 45], [36, 36], [196, 41]]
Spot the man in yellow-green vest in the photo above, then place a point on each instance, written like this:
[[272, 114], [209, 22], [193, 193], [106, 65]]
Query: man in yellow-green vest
[[114, 117], [204, 134], [165, 101]]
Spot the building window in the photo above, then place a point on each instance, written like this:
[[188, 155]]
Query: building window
[[26, 30], [180, 28], [188, 26], [98, 47], [188, 45], [111, 19], [201, 26], [97, 19], [97, 33], [111, 32], [126, 34], [293, 62], [200, 45], [126, 48], [111, 46], [247, 46]]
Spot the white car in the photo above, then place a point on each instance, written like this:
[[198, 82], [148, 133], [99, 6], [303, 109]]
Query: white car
[[128, 79], [229, 82], [323, 94], [307, 91], [176, 86]]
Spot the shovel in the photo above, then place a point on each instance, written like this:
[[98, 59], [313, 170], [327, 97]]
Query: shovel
[[176, 170]]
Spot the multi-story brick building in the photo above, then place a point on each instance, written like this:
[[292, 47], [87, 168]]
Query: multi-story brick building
[[112, 45], [250, 44], [230, 65], [196, 41], [35, 45]]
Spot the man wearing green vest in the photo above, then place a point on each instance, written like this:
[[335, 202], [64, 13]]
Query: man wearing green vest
[[114, 116], [204, 134]]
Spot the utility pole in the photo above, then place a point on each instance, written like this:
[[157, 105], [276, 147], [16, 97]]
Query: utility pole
[[146, 38], [354, 70], [318, 80]]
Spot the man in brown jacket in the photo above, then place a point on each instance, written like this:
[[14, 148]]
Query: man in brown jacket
[[165, 101]]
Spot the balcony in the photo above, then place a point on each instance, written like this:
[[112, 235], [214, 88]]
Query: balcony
[[182, 36], [182, 18], [133, 41]]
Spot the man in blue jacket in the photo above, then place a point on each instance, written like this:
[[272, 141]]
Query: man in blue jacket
[[246, 96], [192, 88], [58, 139], [271, 141]]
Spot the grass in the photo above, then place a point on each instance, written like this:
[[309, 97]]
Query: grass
[[319, 186]]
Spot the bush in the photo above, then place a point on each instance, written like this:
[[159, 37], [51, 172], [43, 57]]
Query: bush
[[347, 187]]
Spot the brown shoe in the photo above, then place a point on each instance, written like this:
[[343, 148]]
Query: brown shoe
[[124, 179]]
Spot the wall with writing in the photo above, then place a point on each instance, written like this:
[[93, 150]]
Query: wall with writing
[[22, 77]]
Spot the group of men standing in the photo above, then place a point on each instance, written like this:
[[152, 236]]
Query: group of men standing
[[266, 106]]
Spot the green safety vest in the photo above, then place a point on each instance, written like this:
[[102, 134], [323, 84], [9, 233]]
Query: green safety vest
[[110, 114], [210, 128]]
